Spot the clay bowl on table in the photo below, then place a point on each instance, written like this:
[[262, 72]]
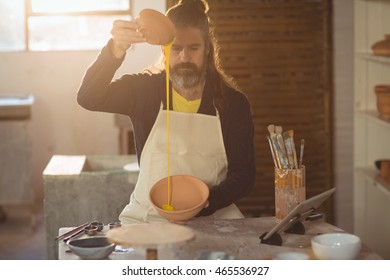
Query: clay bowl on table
[[114, 225], [189, 196], [90, 230], [336, 246], [99, 225], [157, 28], [94, 248]]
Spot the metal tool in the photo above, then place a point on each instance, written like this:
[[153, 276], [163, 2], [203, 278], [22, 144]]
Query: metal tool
[[72, 231]]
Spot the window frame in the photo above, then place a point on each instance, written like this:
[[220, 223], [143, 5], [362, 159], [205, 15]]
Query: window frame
[[29, 13]]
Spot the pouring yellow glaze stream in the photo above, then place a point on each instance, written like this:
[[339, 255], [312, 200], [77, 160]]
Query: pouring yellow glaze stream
[[167, 51]]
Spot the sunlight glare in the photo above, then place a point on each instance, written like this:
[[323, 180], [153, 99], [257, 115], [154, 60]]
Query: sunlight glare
[[63, 6]]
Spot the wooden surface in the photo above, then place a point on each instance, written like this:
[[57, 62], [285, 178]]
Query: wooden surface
[[238, 238], [149, 234]]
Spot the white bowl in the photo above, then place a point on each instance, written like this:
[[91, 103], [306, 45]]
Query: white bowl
[[95, 248], [336, 246]]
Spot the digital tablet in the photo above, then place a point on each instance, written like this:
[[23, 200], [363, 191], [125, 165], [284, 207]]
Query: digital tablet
[[300, 212]]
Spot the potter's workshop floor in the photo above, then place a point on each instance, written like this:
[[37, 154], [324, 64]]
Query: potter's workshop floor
[[22, 235]]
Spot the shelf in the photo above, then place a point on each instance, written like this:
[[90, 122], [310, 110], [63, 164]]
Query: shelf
[[372, 134], [373, 116], [373, 58], [373, 175]]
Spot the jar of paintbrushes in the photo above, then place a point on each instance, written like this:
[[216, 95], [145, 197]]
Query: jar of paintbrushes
[[290, 174]]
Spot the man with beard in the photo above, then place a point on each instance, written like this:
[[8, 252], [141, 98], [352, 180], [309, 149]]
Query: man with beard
[[211, 123]]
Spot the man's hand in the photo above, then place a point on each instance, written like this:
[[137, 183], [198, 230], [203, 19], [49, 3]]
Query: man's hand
[[124, 34]]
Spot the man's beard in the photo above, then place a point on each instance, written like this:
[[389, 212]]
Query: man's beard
[[186, 75]]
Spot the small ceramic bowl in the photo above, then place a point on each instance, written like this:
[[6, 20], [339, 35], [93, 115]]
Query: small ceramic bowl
[[94, 248], [378, 164], [383, 101], [382, 88], [157, 28], [336, 246], [382, 47], [98, 224], [114, 225], [90, 230]]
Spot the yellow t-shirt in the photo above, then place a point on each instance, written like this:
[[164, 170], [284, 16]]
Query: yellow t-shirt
[[180, 104]]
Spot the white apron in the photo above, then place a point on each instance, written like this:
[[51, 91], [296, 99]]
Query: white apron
[[197, 149]]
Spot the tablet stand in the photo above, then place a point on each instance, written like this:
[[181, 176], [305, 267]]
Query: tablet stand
[[294, 226], [292, 222], [297, 228], [275, 239]]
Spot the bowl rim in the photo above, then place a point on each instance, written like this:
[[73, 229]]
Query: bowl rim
[[185, 210], [382, 88], [71, 241], [90, 229], [355, 240], [92, 253], [114, 224], [99, 225]]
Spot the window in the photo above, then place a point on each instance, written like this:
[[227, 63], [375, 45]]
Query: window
[[12, 36], [58, 25]]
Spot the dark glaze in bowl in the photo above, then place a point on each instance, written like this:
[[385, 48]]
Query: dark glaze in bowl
[[94, 248]]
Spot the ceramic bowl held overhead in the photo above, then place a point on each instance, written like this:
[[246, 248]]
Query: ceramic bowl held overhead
[[94, 248], [188, 197], [157, 28], [336, 246]]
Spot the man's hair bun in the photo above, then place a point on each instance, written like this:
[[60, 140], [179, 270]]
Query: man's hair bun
[[199, 4]]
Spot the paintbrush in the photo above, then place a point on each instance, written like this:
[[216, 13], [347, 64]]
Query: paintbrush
[[271, 130], [289, 138], [301, 155], [280, 157], [280, 141], [289, 148], [272, 152]]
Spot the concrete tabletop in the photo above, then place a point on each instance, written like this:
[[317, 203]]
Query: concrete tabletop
[[237, 238]]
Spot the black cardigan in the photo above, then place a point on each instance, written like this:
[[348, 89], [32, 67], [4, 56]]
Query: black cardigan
[[139, 96]]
